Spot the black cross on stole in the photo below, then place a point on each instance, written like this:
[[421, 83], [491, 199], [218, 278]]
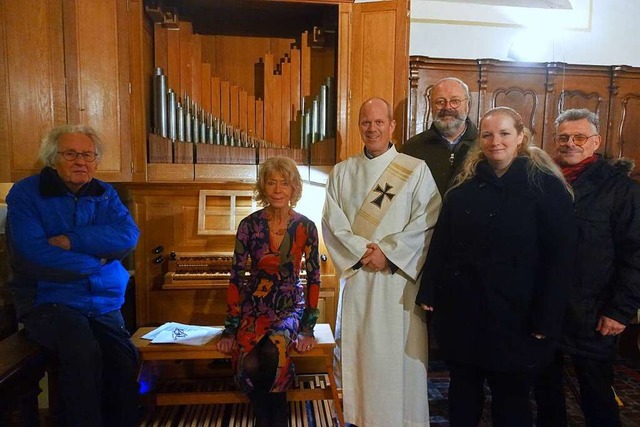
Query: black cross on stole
[[378, 200]]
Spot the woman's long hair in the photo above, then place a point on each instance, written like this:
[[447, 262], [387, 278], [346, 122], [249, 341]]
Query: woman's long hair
[[540, 160]]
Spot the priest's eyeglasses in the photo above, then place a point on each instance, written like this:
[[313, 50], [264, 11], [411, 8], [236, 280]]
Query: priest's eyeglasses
[[578, 139], [455, 102], [71, 155]]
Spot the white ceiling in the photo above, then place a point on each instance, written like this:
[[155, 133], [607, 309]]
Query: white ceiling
[[540, 4]]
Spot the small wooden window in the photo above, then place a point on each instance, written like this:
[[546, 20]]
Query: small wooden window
[[220, 211]]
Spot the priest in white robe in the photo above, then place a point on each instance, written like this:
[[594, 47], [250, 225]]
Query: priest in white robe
[[380, 210]]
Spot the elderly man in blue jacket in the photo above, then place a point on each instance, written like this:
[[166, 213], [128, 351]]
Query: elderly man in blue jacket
[[66, 234]]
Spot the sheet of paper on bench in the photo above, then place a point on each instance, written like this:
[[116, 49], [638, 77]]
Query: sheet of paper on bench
[[179, 333]]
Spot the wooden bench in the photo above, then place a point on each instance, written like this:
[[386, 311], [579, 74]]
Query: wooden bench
[[153, 352], [21, 368]]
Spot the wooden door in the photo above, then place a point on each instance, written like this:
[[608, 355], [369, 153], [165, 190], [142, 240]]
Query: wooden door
[[377, 66], [97, 69], [32, 93]]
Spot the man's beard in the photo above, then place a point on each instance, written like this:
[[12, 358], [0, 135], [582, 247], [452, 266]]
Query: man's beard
[[452, 127]]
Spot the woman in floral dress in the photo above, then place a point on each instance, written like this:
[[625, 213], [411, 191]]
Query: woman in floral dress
[[270, 310]]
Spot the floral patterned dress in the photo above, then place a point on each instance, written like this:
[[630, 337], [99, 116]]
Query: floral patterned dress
[[272, 300]]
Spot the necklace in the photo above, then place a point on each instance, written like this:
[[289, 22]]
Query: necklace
[[278, 229]]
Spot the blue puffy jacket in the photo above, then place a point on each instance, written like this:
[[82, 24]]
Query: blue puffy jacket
[[90, 277]]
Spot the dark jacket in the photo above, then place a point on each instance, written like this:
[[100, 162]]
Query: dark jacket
[[90, 277], [431, 147], [499, 267], [608, 258]]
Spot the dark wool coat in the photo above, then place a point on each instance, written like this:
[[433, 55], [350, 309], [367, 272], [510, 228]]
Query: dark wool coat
[[608, 258], [431, 147], [499, 267]]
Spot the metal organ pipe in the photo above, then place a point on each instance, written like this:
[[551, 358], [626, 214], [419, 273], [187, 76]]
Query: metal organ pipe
[[160, 102], [322, 113], [171, 110], [179, 122]]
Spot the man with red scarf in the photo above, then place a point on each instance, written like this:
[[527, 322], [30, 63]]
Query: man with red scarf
[[605, 294]]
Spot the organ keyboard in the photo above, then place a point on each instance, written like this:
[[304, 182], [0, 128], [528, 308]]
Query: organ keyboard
[[195, 270]]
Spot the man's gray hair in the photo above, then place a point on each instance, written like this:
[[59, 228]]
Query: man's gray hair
[[576, 114], [49, 144], [460, 82]]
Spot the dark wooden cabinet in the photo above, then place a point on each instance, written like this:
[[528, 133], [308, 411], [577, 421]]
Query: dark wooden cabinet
[[539, 92]]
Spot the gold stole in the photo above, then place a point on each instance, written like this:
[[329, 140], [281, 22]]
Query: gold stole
[[380, 197]]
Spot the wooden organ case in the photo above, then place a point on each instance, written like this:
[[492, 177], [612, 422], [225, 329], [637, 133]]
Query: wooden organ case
[[222, 62]]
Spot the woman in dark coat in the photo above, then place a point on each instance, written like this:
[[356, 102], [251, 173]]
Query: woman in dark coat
[[498, 271]]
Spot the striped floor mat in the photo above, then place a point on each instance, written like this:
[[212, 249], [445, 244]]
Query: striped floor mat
[[310, 413]]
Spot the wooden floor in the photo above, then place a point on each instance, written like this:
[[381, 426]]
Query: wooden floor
[[302, 414]]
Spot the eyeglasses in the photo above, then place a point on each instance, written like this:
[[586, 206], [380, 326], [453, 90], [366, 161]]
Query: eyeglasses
[[455, 102], [70, 155], [578, 139]]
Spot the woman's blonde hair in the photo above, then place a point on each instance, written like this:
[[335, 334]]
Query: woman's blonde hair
[[540, 160], [289, 171]]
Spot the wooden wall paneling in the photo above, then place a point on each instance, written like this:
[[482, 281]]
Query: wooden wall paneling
[[260, 119], [196, 69], [378, 24], [305, 64], [323, 64], [97, 70], [5, 129], [167, 55], [141, 74], [234, 105], [195, 307], [285, 102], [32, 91], [216, 93], [424, 74], [167, 215], [400, 65], [235, 56], [161, 51], [296, 79], [576, 86], [225, 101], [343, 114], [267, 96], [243, 110], [205, 87], [520, 86], [624, 137], [174, 78], [251, 115], [274, 113], [186, 35]]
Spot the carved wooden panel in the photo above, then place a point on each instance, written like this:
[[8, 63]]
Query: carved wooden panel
[[577, 86], [424, 74], [539, 92], [520, 86], [625, 114]]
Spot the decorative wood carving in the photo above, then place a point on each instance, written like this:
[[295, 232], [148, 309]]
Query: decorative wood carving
[[539, 92]]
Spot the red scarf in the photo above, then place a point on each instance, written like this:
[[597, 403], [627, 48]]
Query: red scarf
[[572, 172]]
